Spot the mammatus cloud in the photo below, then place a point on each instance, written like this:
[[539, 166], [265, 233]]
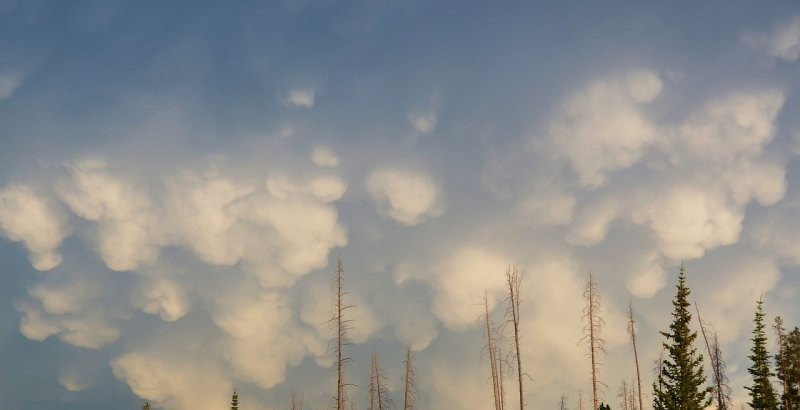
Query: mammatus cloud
[[782, 42], [324, 157], [300, 98], [29, 217], [406, 196]]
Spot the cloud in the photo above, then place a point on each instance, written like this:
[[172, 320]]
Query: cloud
[[9, 83], [300, 98], [782, 42], [406, 196], [34, 219], [603, 128], [324, 157]]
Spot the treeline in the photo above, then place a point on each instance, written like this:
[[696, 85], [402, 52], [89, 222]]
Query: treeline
[[680, 379]]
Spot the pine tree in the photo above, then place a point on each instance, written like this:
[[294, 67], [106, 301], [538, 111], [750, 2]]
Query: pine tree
[[789, 370], [604, 406], [680, 382], [762, 394], [235, 400], [146, 406]]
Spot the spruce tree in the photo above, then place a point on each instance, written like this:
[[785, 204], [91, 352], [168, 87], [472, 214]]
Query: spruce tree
[[789, 370], [762, 394], [604, 406], [235, 400], [679, 385], [146, 406]]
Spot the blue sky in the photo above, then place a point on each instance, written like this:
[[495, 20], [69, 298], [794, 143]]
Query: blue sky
[[178, 178]]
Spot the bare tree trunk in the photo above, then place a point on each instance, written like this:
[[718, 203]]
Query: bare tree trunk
[[719, 369], [490, 349], [623, 393], [594, 324], [372, 369], [382, 401], [342, 326], [562, 405], [632, 333], [410, 390], [514, 282], [580, 400], [501, 376], [712, 358], [780, 332]]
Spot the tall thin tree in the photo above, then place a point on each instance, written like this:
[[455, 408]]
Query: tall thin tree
[[514, 283], [592, 328], [490, 350], [780, 360], [762, 394], [342, 325], [383, 400], [235, 400], [410, 392], [632, 333], [718, 390]]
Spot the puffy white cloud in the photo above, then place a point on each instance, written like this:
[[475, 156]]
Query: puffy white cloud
[[603, 128], [460, 281], [543, 209], [650, 278], [31, 218], [163, 297], [175, 383], [300, 98], [405, 196], [9, 83], [324, 157], [782, 42], [120, 209]]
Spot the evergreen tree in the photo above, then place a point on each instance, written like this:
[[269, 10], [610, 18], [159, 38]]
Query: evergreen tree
[[604, 406], [146, 406], [762, 394], [679, 385], [235, 400], [789, 370]]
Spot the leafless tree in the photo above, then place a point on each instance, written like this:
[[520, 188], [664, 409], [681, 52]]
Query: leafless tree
[[410, 393], [632, 333], [295, 404], [594, 325], [562, 405], [514, 283], [717, 364], [623, 395], [491, 350], [342, 326], [382, 399]]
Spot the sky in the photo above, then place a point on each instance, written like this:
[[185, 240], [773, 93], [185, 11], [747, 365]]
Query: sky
[[178, 179]]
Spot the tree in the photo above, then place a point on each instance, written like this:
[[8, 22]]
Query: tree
[[492, 350], [342, 325], [789, 370], [295, 404], [762, 394], [632, 334], [594, 325], [235, 400], [146, 406], [603, 406], [379, 393], [410, 393], [514, 283], [680, 381], [720, 390]]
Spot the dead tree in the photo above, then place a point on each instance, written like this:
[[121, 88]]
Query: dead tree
[[342, 325], [713, 356], [373, 365], [514, 283], [380, 399], [491, 349], [632, 395], [719, 368], [623, 395], [632, 333], [410, 393], [594, 325], [295, 404], [780, 333], [562, 405]]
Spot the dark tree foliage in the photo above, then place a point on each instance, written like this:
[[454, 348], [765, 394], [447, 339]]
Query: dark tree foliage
[[604, 406], [788, 370], [762, 394], [680, 383], [146, 406], [235, 400]]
